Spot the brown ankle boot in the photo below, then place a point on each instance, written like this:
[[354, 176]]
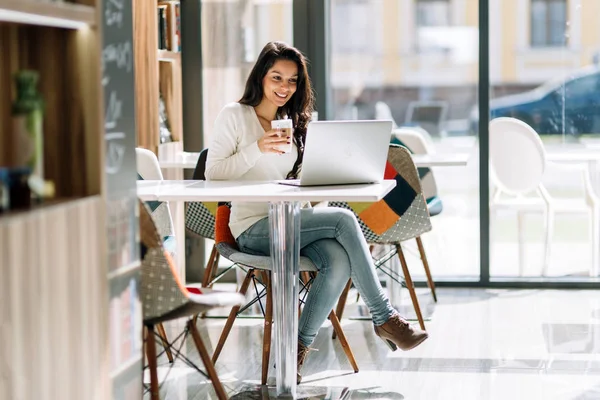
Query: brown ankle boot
[[302, 353], [397, 332]]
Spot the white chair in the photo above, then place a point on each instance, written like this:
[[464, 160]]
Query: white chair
[[383, 111], [149, 169], [518, 162]]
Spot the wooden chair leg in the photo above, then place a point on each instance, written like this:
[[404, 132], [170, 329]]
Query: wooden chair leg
[[210, 368], [208, 271], [426, 266], [305, 277], [231, 318], [163, 338], [268, 326], [209, 274], [214, 270], [410, 286], [339, 310], [152, 365], [337, 328]]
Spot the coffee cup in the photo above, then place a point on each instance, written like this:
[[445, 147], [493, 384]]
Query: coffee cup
[[285, 126]]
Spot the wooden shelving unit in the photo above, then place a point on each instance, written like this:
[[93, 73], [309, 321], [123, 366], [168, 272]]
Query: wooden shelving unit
[[156, 76], [54, 281], [60, 15], [68, 63], [61, 274]]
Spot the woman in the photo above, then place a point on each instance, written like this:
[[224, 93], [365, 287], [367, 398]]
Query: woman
[[244, 147]]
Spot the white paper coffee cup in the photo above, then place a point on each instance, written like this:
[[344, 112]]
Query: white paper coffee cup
[[286, 128]]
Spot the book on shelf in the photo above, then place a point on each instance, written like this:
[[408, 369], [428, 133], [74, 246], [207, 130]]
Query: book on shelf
[[162, 28], [177, 39], [169, 31]]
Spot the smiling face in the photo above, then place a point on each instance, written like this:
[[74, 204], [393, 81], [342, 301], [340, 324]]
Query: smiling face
[[280, 82]]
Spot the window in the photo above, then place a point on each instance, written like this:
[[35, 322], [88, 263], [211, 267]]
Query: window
[[548, 23], [433, 13], [353, 25], [233, 34], [433, 26]]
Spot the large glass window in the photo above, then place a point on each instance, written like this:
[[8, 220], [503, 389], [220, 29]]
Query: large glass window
[[233, 34], [420, 69], [547, 228]]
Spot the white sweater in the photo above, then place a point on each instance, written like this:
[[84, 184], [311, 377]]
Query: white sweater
[[233, 154]]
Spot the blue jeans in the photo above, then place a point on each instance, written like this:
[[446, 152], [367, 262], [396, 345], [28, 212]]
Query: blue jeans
[[332, 239]]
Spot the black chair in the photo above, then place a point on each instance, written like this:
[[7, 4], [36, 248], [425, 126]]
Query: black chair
[[201, 166]]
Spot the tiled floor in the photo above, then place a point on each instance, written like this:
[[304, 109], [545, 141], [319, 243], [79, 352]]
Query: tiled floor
[[484, 344]]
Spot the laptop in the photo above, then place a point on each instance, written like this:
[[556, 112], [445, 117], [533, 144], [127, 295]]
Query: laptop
[[344, 152]]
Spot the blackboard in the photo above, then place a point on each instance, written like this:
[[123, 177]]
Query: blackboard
[[125, 316], [119, 98]]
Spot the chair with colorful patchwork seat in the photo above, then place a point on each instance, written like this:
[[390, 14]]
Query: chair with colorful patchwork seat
[[415, 140], [261, 266], [164, 298], [400, 216]]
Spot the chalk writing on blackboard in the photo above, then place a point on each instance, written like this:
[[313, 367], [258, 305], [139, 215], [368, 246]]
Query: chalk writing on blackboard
[[114, 13], [118, 54], [115, 150], [113, 111]]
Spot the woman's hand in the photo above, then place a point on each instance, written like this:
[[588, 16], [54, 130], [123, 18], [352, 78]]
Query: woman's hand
[[272, 141]]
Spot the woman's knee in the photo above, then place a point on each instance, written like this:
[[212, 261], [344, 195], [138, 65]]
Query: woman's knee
[[330, 258], [346, 219]]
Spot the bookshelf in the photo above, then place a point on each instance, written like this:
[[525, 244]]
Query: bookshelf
[[54, 284], [157, 32], [62, 300], [158, 73]]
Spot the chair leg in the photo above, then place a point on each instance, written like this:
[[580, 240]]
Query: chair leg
[[214, 270], [521, 240], [210, 368], [163, 338], [548, 240], [595, 235], [339, 310], [208, 271], [305, 278], [426, 266], [231, 318], [337, 328], [268, 326], [152, 365], [410, 286]]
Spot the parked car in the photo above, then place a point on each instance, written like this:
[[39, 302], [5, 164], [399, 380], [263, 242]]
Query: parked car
[[568, 105]]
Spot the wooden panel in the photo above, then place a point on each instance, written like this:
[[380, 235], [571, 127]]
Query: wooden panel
[[54, 301], [8, 66], [145, 44], [86, 91]]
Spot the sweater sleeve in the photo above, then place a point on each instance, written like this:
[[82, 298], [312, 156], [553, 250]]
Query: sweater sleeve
[[226, 160]]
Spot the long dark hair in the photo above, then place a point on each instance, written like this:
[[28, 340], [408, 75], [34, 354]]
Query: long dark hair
[[299, 107]]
